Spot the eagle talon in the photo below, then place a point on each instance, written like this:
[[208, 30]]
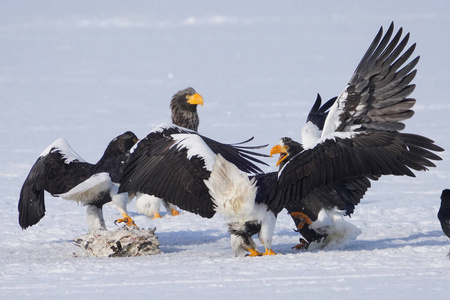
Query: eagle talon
[[253, 253], [269, 252], [302, 246], [127, 220], [156, 216], [304, 219]]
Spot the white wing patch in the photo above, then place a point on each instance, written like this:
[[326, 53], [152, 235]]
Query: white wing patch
[[195, 147], [163, 126], [335, 135], [310, 135], [63, 147], [332, 121], [88, 190]]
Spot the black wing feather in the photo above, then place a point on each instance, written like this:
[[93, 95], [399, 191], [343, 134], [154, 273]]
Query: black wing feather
[[376, 95], [373, 153], [158, 167], [49, 173], [318, 114]]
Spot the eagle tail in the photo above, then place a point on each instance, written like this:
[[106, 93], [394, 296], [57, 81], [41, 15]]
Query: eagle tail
[[232, 192]]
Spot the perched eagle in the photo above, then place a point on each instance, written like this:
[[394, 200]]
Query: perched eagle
[[184, 113], [63, 173], [354, 141], [444, 213]]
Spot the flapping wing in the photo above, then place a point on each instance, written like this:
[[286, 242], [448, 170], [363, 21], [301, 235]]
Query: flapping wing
[[344, 195], [369, 153], [241, 156], [173, 162], [158, 167], [376, 96], [56, 171]]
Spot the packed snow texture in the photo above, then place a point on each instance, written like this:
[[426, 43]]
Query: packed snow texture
[[87, 71]]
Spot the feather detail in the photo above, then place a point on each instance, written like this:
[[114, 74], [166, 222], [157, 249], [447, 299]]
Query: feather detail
[[232, 192]]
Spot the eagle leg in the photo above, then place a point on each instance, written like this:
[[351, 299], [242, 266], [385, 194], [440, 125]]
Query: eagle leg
[[269, 252], [156, 216], [302, 246], [253, 252], [127, 220], [303, 219]]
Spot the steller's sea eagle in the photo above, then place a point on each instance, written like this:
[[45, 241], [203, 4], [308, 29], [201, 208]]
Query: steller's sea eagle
[[354, 141], [60, 171], [184, 114], [444, 213], [358, 141], [173, 163]]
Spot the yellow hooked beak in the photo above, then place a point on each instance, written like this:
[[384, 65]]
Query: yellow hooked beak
[[195, 99], [282, 150]]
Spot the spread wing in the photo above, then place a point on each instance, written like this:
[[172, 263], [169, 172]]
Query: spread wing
[[56, 171], [365, 154], [173, 162], [343, 195], [376, 96]]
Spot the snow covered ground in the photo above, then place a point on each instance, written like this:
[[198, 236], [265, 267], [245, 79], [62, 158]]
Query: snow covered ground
[[90, 70]]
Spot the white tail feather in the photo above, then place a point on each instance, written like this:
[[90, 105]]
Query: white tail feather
[[232, 191], [88, 190]]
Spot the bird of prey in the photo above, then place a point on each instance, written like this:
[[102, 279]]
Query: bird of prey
[[60, 171], [354, 141], [184, 113], [358, 141], [444, 213], [175, 164]]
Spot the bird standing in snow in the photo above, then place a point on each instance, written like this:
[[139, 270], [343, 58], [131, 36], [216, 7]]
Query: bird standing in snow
[[175, 163], [319, 182], [63, 173], [444, 213], [355, 140], [184, 113]]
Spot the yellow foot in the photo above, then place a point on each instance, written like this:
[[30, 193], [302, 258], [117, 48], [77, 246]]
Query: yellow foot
[[253, 252], [157, 216], [269, 252], [175, 212], [304, 219], [127, 220], [302, 246]]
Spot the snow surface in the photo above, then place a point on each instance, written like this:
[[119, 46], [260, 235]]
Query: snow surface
[[90, 70]]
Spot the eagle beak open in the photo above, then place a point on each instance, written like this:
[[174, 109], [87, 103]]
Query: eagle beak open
[[195, 99], [281, 150]]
